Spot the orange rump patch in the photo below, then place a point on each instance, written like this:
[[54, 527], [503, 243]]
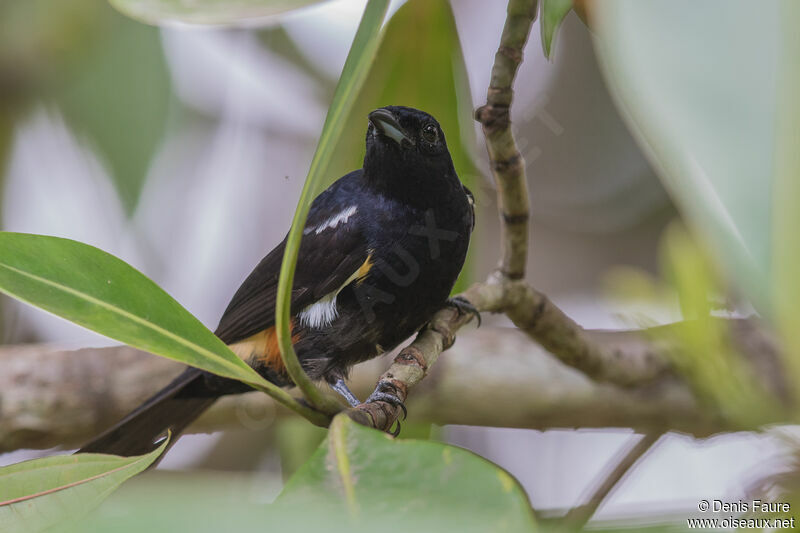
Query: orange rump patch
[[262, 349]]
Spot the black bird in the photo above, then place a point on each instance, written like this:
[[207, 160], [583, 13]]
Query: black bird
[[381, 250]]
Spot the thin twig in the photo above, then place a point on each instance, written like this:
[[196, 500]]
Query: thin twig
[[508, 166], [617, 469]]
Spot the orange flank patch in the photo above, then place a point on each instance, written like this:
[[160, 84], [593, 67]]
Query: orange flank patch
[[365, 267], [262, 349]]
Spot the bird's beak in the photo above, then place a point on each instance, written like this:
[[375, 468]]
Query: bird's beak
[[386, 124]]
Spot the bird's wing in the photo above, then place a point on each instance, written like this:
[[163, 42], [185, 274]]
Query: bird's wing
[[332, 253]]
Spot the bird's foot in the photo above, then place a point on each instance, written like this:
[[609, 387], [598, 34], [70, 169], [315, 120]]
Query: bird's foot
[[380, 394], [340, 387], [464, 307]]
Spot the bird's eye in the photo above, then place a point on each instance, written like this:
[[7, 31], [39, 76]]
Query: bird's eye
[[429, 133]]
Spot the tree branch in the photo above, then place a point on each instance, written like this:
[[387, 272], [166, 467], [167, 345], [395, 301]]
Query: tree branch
[[534, 313], [409, 367], [491, 377]]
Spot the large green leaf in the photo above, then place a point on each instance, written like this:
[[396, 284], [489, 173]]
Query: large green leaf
[[419, 64], [102, 293], [354, 72], [364, 477], [358, 481], [698, 85], [206, 11], [38, 494]]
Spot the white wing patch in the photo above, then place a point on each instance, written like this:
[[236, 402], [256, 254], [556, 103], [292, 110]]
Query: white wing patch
[[339, 218], [321, 313]]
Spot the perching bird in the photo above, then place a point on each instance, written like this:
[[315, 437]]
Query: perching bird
[[381, 250]]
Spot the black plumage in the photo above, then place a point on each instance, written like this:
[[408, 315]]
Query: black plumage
[[381, 251]]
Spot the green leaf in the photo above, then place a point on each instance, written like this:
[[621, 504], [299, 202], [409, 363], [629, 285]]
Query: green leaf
[[359, 59], [697, 83], [419, 64], [102, 293], [206, 11], [38, 494], [363, 477], [296, 440], [551, 16]]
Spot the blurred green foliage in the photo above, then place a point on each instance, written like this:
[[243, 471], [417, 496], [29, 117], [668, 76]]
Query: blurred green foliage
[[702, 347], [363, 477], [206, 11], [718, 115], [708, 355], [296, 441], [41, 40], [118, 100], [104, 71], [40, 493], [358, 480], [785, 288], [701, 101]]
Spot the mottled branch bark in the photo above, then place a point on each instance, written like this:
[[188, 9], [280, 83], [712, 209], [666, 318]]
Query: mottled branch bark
[[537, 316], [507, 163], [409, 367], [491, 377]]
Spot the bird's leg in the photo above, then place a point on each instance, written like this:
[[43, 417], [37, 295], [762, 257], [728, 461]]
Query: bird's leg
[[464, 306], [340, 387]]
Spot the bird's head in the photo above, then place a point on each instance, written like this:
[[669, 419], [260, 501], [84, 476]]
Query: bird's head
[[405, 144]]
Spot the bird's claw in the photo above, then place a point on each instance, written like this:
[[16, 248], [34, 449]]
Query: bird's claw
[[464, 307], [381, 396], [387, 397]]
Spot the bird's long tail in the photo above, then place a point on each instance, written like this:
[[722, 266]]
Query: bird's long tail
[[173, 408]]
